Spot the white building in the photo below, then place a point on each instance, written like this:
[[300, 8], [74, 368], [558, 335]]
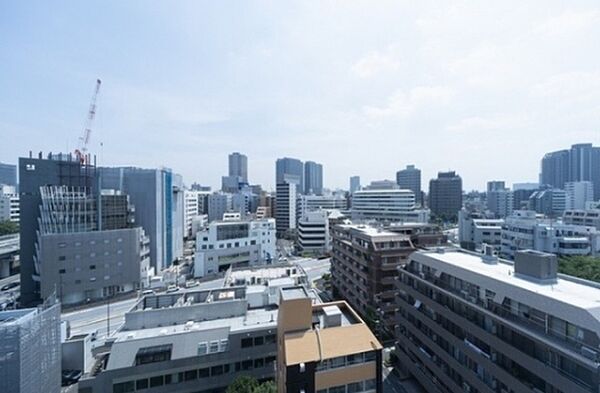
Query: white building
[[475, 230], [322, 202], [234, 243], [500, 202], [9, 204], [578, 194], [590, 217], [525, 230], [313, 232], [393, 205], [190, 210]]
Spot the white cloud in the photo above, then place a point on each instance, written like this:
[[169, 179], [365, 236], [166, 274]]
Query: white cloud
[[405, 104], [568, 22], [375, 63], [579, 86]]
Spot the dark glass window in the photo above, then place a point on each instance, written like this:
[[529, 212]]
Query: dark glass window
[[123, 387], [159, 353], [270, 339], [259, 340], [203, 373], [247, 342], [156, 381], [141, 384], [191, 375], [216, 370]]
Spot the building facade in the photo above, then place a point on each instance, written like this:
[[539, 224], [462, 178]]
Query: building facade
[[313, 232], [322, 202], [499, 199], [475, 231], [290, 170], [8, 174], [410, 179], [550, 202], [579, 194], [313, 178], [354, 184], [9, 204], [445, 195], [588, 218], [579, 163], [470, 322], [382, 205], [238, 166], [286, 208]]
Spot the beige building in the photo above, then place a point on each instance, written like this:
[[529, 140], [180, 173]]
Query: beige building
[[324, 348]]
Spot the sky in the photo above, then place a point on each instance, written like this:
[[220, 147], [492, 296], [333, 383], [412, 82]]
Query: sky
[[363, 87]]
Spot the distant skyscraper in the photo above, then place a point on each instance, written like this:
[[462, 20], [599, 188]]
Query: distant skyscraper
[[8, 174], [495, 185], [313, 178], [410, 179], [354, 184], [290, 170], [286, 208], [445, 195], [580, 163], [238, 166]]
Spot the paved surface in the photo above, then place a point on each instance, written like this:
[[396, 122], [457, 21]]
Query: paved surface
[[314, 268], [8, 296], [393, 384]]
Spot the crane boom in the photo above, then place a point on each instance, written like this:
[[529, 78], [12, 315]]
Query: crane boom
[[87, 131]]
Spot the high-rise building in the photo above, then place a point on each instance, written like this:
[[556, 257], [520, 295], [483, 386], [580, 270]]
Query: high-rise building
[[324, 347], [313, 178], [286, 208], [354, 184], [191, 209], [55, 170], [580, 163], [382, 185], [157, 195], [410, 179], [579, 193], [445, 195], [499, 199], [496, 185], [231, 184], [472, 322], [290, 170], [30, 351], [8, 174], [521, 198], [219, 203], [365, 262], [238, 166]]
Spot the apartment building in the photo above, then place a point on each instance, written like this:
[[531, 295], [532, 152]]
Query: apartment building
[[474, 323], [234, 243], [286, 208], [364, 265], [324, 348]]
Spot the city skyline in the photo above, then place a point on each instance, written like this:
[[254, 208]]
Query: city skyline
[[410, 86]]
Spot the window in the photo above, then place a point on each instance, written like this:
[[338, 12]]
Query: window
[[338, 389], [141, 384], [190, 375], [247, 342], [203, 373], [270, 339], [62, 271], [62, 258], [123, 387], [259, 363], [92, 279], [62, 245], [246, 364], [259, 340], [159, 353], [356, 387], [214, 347], [226, 368], [202, 348], [156, 381], [92, 267], [370, 384], [169, 379], [224, 345], [369, 356], [216, 370], [77, 281]]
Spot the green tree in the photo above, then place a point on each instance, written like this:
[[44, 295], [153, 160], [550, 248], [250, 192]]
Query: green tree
[[267, 387], [8, 227], [243, 384], [584, 267]]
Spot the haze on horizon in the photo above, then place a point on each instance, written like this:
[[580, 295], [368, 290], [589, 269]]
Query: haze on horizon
[[362, 87]]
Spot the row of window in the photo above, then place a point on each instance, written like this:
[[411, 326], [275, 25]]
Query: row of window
[[258, 341], [92, 255], [91, 242], [192, 375], [348, 360], [215, 346], [229, 245], [355, 387]]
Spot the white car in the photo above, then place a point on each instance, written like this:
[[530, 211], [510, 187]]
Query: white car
[[148, 292], [191, 283], [172, 288]]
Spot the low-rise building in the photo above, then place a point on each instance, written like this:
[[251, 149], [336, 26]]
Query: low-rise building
[[234, 243], [590, 218], [9, 204], [313, 232], [325, 348], [322, 202], [387, 205], [475, 230], [421, 235]]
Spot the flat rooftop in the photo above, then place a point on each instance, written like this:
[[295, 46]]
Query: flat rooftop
[[373, 231], [292, 293]]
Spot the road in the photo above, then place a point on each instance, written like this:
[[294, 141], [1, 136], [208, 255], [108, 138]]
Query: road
[[10, 295], [314, 268]]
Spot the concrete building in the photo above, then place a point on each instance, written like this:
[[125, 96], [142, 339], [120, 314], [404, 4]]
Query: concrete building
[[475, 231], [313, 178], [244, 202], [551, 202], [382, 204], [286, 208], [190, 342], [9, 255], [410, 179], [290, 170], [88, 247], [313, 232], [231, 184], [9, 204], [8, 174], [271, 276], [495, 185], [382, 185], [525, 230], [322, 202], [364, 265], [579, 194], [235, 243], [354, 184], [58, 170], [30, 353], [445, 195], [579, 163], [157, 195], [219, 203], [470, 322], [191, 210], [588, 218], [499, 199], [521, 198], [238, 166], [324, 347], [422, 235]]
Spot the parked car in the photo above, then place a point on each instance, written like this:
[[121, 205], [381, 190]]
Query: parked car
[[191, 283], [172, 288], [10, 285], [148, 292]]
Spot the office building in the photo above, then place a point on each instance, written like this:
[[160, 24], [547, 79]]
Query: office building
[[191, 210], [231, 184], [9, 203], [588, 218], [525, 186], [472, 322], [521, 198], [525, 230], [495, 185], [445, 195], [30, 353], [476, 230], [189, 342], [382, 185], [322, 202], [393, 205], [499, 199], [219, 203], [313, 178], [579, 163], [579, 194], [354, 184], [421, 235], [9, 255], [410, 179], [8, 174], [238, 166], [551, 202], [364, 265], [313, 232], [199, 187], [55, 170], [236, 243], [157, 195], [290, 170], [324, 347], [88, 247], [286, 209], [244, 202]]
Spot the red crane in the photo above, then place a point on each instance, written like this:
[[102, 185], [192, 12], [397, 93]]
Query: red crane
[[80, 153]]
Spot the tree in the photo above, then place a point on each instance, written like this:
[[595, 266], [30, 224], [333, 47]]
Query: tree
[[267, 387], [8, 227], [243, 384], [584, 267]]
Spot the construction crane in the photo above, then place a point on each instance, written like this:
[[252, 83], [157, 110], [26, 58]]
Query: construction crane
[[80, 153]]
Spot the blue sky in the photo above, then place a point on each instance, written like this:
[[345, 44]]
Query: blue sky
[[363, 87]]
